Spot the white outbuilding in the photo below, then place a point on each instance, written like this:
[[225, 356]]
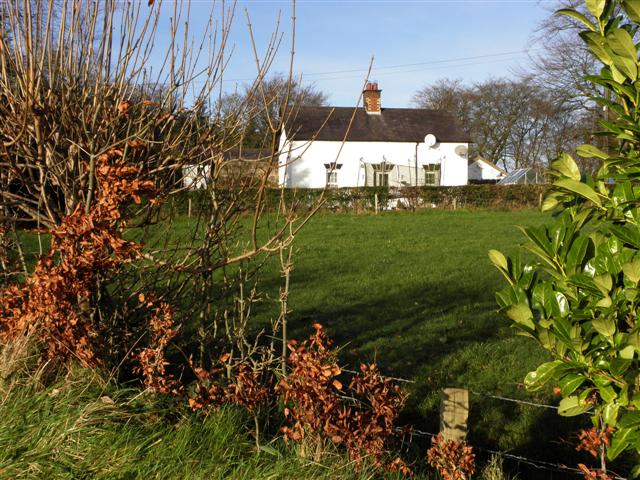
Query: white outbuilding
[[372, 146], [484, 170], [235, 166]]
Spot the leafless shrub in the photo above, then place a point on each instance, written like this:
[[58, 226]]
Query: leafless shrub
[[76, 84]]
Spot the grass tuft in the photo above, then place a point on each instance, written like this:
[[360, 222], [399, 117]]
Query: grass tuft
[[83, 427]]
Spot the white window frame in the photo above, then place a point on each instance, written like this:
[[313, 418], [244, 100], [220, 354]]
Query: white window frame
[[432, 174], [332, 178], [332, 174]]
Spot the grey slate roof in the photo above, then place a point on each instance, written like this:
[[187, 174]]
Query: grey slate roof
[[392, 125]]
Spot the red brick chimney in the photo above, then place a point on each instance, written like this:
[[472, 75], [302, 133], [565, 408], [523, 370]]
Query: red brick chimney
[[371, 98]]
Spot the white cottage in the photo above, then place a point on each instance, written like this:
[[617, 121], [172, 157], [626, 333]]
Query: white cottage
[[372, 146]]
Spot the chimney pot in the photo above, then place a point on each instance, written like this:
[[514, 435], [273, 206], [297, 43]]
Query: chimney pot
[[371, 98]]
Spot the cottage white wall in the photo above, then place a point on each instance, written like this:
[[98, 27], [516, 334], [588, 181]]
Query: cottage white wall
[[454, 168], [302, 164]]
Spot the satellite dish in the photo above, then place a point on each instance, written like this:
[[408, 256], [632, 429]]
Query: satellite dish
[[430, 140], [461, 151]]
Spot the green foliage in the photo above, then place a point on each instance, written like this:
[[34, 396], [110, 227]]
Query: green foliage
[[579, 298], [484, 196]]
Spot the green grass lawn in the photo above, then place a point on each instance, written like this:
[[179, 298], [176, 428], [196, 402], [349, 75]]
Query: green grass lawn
[[414, 292], [84, 428]]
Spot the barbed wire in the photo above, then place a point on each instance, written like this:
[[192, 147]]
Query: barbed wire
[[473, 392], [404, 380], [514, 400], [539, 464]]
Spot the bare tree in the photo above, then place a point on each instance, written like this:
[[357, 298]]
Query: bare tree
[[560, 69], [78, 88], [545, 110], [516, 123], [563, 61], [446, 94], [246, 107]]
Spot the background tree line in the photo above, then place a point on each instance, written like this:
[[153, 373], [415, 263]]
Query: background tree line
[[545, 109], [514, 123], [256, 107]]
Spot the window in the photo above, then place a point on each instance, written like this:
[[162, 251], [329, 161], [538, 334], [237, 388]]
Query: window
[[332, 178], [381, 179], [332, 173], [432, 174], [381, 174]]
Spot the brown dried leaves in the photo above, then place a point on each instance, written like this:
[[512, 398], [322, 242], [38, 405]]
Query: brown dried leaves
[[57, 301], [452, 459], [152, 358], [595, 442], [361, 418]]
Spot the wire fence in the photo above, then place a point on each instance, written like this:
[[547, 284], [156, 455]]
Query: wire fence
[[395, 379], [473, 392], [535, 463], [539, 464], [455, 203], [514, 400], [370, 199]]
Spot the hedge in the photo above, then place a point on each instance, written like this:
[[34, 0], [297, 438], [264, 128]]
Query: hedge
[[363, 198], [478, 196]]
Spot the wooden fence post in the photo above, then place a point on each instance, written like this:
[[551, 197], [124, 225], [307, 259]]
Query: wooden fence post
[[375, 199], [189, 213], [454, 413]]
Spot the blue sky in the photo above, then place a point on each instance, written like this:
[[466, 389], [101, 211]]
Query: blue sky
[[414, 43]]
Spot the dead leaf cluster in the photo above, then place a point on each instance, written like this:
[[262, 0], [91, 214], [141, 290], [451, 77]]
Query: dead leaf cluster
[[319, 408], [454, 460]]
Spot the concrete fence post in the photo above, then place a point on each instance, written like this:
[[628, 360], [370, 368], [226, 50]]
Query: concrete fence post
[[454, 413]]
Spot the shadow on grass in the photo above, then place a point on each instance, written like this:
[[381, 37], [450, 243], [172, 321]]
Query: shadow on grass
[[400, 332], [451, 338]]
